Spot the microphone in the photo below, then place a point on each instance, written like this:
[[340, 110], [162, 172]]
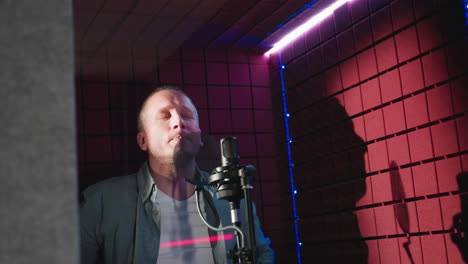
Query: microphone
[[229, 153]]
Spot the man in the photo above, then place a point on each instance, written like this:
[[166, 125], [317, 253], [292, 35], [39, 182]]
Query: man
[[151, 216]]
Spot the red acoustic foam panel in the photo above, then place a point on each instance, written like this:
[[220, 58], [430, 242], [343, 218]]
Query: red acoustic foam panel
[[241, 97], [381, 23], [435, 69], [434, 250], [373, 249], [267, 169], [327, 27], [377, 4], [394, 117], [247, 144], [194, 72], [430, 34], [398, 150], [95, 95], [98, 149], [265, 144], [263, 120], [120, 70], [411, 77], [389, 251], [97, 122], [444, 138], [342, 18], [416, 110], [259, 75], [94, 69], [425, 179], [367, 63], [374, 123], [359, 9], [273, 214], [242, 121], [386, 54], [385, 220], [447, 171], [367, 223], [118, 121], [299, 45], [453, 252], [330, 52], [198, 94], [171, 73], [420, 144], [218, 96], [367, 198], [451, 206], [237, 57], [345, 42], [402, 13], [462, 130], [407, 43], [371, 94], [349, 72], [353, 101], [361, 34], [456, 62], [412, 218], [439, 101], [270, 196], [390, 85], [217, 73], [261, 98], [239, 74], [414, 248], [381, 188], [220, 121], [145, 70], [216, 55], [315, 61], [429, 215]]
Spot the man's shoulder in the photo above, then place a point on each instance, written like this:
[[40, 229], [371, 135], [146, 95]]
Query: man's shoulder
[[115, 185]]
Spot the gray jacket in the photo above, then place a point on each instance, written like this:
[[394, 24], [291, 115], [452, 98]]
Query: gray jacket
[[118, 224]]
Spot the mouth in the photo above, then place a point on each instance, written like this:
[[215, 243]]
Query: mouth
[[176, 138]]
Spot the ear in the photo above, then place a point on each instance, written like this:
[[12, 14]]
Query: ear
[[141, 140]]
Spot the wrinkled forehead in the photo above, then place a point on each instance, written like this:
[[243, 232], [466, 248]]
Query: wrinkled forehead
[[168, 99]]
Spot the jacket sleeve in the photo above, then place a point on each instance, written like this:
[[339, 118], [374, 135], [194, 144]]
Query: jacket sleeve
[[90, 219], [265, 254]]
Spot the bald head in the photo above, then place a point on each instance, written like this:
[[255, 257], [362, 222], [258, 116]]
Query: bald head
[[166, 88]]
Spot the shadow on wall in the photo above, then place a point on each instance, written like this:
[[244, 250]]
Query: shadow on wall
[[332, 170], [460, 220]]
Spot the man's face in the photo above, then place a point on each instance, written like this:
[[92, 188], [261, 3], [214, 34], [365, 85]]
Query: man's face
[[170, 125]]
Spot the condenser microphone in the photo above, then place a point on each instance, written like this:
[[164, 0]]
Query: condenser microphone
[[229, 153]]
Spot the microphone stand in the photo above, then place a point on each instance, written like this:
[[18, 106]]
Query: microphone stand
[[232, 183]]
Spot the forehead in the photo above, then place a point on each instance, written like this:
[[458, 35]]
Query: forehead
[[168, 98]]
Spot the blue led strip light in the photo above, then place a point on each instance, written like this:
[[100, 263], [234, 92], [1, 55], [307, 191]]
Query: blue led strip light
[[465, 6], [289, 141]]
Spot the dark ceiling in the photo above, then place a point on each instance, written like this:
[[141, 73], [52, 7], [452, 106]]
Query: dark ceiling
[[116, 25]]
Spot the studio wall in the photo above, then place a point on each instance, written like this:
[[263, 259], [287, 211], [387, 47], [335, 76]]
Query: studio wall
[[377, 97], [231, 90]]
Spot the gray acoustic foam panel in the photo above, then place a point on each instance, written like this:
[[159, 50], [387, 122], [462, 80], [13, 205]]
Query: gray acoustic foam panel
[[38, 157]]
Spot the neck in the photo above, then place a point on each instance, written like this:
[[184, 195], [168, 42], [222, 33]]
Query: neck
[[171, 179]]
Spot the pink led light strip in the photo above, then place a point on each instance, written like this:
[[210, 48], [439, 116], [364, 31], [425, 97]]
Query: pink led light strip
[[305, 27], [192, 241]]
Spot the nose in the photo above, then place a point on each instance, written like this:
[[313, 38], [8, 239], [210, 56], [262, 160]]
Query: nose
[[177, 121]]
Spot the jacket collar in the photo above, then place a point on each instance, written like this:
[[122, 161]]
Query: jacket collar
[[146, 184]]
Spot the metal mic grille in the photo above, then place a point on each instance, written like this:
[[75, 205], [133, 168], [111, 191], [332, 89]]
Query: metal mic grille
[[229, 152]]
